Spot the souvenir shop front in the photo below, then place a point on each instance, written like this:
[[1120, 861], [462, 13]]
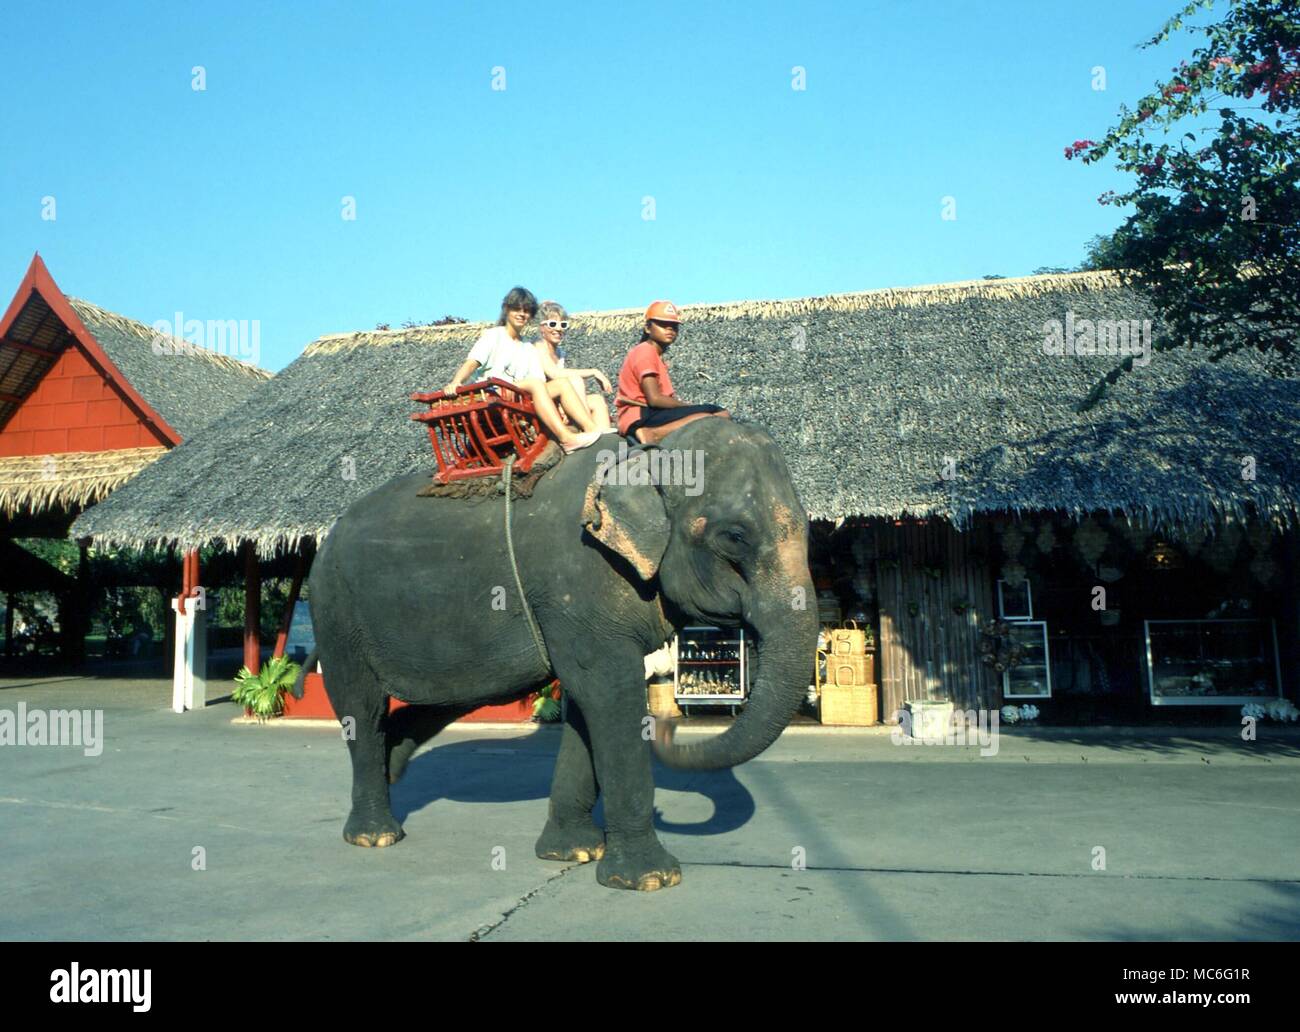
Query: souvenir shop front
[[1088, 621]]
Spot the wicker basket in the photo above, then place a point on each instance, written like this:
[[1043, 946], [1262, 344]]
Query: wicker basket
[[659, 699], [852, 705], [843, 670], [848, 641]]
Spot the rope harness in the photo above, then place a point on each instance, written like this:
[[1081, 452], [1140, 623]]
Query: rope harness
[[514, 568]]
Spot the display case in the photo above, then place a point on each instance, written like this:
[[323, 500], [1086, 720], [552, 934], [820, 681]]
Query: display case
[[1031, 678], [711, 668], [1212, 662]]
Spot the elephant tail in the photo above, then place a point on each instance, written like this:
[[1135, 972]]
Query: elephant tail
[[308, 665]]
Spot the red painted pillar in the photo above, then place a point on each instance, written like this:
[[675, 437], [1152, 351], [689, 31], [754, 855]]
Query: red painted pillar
[[252, 609], [191, 575]]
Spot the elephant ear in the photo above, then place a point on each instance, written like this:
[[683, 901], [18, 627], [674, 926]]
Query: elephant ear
[[627, 518]]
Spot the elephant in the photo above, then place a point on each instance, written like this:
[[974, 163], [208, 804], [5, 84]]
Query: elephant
[[415, 598]]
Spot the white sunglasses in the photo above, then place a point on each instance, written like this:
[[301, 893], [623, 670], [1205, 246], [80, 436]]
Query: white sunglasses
[[556, 324]]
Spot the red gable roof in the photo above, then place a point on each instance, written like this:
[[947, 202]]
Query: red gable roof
[[59, 391]]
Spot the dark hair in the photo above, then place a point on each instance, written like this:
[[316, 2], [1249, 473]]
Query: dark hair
[[645, 331], [519, 297]]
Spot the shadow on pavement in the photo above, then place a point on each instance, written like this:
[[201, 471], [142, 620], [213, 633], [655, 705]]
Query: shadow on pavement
[[1280, 923], [512, 770]]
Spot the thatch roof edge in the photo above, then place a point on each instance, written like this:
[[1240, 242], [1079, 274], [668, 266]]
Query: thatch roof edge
[[68, 479], [1208, 516], [890, 297], [267, 541]]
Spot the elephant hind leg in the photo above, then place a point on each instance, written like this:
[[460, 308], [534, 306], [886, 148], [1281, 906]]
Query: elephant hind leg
[[361, 710], [371, 822], [410, 727]]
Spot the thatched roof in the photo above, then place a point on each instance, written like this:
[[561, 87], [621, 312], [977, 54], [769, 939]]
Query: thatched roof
[[68, 480], [189, 387], [867, 394], [174, 392]]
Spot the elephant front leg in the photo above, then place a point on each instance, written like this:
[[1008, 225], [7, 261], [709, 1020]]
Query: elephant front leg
[[570, 832], [634, 857]]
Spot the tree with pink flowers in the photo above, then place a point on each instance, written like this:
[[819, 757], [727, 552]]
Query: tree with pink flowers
[[1214, 237]]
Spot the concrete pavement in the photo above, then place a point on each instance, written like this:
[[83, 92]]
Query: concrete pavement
[[192, 827]]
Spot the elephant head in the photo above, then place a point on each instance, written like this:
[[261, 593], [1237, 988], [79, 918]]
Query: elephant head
[[724, 538]]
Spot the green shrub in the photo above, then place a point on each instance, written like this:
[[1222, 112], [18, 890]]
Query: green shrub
[[263, 692]]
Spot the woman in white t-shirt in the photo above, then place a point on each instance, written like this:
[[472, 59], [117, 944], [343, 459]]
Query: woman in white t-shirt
[[553, 321], [502, 353]]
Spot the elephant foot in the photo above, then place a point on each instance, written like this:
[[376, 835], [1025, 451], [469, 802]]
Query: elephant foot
[[373, 832], [645, 867], [580, 842]]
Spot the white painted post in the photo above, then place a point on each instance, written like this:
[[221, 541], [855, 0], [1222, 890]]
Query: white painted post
[[196, 676], [183, 622], [190, 663]]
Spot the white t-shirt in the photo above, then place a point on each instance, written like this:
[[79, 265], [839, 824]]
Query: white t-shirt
[[500, 355]]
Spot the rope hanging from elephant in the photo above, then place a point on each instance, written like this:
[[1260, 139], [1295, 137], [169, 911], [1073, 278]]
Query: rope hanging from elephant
[[514, 568]]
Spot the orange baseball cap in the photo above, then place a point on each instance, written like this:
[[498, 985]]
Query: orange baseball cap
[[664, 311]]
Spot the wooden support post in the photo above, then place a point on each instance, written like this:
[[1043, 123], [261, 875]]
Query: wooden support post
[[82, 607], [252, 609], [74, 613]]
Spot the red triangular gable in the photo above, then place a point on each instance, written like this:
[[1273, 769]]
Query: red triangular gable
[[74, 399]]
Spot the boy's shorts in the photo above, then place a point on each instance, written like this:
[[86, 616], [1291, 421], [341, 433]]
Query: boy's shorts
[[661, 416]]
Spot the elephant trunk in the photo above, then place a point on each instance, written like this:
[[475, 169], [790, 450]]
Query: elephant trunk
[[785, 652]]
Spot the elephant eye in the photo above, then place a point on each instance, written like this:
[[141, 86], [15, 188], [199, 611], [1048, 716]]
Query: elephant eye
[[733, 539]]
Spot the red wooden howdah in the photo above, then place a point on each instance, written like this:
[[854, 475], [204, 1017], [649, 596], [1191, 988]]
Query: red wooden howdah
[[477, 427]]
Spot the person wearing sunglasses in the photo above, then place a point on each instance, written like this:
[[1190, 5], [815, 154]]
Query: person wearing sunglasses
[[502, 353], [554, 323], [648, 409]]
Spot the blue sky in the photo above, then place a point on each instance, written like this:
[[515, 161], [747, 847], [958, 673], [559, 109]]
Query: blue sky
[[227, 203]]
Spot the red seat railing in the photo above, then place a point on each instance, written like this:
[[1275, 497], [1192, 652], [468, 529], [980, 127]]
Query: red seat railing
[[478, 426]]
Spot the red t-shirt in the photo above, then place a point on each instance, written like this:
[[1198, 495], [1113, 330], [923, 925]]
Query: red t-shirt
[[642, 359]]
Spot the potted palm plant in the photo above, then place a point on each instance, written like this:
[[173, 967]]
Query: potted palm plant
[[262, 694], [546, 704]]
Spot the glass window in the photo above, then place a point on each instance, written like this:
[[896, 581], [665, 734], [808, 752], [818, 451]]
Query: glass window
[[1211, 662], [301, 638], [1031, 677]]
